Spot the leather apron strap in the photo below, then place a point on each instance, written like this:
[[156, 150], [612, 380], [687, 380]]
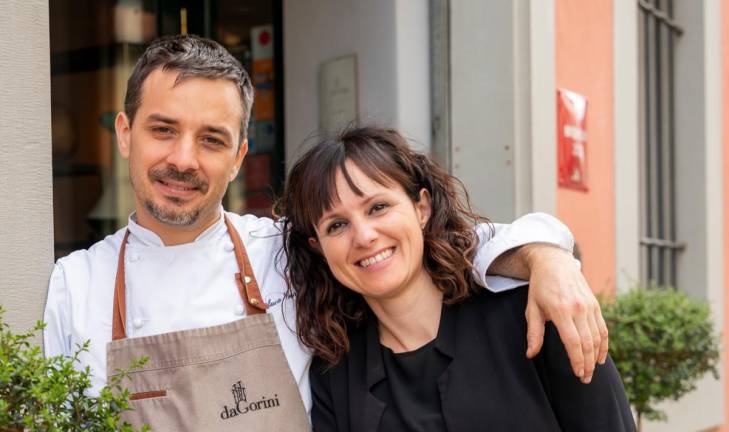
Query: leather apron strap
[[118, 323], [245, 279]]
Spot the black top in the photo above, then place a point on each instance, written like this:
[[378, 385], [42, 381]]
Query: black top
[[410, 391], [487, 384]]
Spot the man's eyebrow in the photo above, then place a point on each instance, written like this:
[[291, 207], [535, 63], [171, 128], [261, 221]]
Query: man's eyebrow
[[161, 118]]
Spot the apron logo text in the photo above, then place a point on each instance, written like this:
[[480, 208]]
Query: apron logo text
[[242, 406], [239, 393]]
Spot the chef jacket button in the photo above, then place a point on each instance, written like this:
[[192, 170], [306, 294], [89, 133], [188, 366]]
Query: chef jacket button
[[229, 247], [247, 279], [137, 323], [239, 310], [133, 256]]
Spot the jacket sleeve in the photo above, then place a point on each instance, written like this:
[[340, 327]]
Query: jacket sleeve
[[496, 239], [599, 406], [57, 334], [323, 417]]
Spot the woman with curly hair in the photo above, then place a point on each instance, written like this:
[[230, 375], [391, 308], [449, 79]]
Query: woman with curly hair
[[379, 246]]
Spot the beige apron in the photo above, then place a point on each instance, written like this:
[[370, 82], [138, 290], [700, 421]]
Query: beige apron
[[230, 377]]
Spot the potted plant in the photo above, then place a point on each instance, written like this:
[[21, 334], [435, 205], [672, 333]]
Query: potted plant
[[662, 341], [48, 394]]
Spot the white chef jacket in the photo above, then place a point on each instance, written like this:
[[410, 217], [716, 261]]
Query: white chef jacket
[[173, 288]]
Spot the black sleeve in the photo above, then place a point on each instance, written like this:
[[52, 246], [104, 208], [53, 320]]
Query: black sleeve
[[599, 406], [323, 418]]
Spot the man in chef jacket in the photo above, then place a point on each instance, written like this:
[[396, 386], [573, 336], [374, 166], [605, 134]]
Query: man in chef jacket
[[184, 131]]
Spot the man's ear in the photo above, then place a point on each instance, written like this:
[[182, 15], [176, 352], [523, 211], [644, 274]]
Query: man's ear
[[242, 151], [424, 207], [123, 133]]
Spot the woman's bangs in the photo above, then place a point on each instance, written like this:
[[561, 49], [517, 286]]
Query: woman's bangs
[[374, 162], [320, 198], [370, 157]]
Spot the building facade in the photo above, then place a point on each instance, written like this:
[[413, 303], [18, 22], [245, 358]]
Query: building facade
[[642, 180]]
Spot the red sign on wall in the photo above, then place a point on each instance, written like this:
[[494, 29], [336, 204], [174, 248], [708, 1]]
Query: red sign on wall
[[572, 140]]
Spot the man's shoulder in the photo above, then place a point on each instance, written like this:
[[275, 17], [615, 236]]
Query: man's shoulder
[[254, 226], [103, 251]]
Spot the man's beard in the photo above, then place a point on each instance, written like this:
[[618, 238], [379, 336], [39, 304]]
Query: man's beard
[[173, 216]]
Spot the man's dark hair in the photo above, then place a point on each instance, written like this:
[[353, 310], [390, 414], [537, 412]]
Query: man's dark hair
[[192, 56]]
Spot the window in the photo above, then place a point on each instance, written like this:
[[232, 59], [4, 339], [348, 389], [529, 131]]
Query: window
[[659, 248]]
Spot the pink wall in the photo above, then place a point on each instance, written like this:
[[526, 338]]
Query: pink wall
[[725, 170], [584, 62]]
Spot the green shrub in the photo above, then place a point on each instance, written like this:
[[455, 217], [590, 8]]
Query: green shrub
[[662, 342], [47, 394]]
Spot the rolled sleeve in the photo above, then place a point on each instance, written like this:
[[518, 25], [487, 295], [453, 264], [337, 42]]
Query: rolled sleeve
[[530, 228]]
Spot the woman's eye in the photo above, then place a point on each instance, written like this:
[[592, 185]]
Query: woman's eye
[[334, 227], [378, 207]]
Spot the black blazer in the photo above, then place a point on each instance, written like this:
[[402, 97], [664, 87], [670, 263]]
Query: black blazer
[[489, 383]]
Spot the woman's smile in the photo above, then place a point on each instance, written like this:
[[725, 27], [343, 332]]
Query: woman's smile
[[378, 260]]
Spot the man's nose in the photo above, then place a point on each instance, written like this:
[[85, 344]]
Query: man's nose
[[183, 154]]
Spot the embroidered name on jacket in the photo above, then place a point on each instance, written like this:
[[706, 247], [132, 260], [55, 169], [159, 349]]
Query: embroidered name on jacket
[[242, 406]]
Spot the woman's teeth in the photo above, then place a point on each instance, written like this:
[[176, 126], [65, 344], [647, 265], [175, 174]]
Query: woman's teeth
[[377, 258]]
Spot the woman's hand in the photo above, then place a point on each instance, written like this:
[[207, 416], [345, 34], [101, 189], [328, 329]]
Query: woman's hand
[[558, 292]]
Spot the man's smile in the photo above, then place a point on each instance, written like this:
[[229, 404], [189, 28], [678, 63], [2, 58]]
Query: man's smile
[[175, 189]]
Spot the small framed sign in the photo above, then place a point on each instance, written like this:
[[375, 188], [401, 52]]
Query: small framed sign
[[338, 96]]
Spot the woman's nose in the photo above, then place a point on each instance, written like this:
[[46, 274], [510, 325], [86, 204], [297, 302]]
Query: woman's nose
[[365, 234]]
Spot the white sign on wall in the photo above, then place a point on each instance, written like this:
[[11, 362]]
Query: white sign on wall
[[338, 99]]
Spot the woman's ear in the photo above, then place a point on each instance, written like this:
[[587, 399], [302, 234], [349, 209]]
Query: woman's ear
[[423, 207], [314, 244]]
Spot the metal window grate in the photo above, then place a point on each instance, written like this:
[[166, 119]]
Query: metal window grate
[[659, 249]]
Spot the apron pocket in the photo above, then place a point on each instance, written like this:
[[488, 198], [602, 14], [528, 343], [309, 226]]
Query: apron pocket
[[148, 394]]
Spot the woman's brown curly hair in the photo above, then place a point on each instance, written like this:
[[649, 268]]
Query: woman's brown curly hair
[[325, 309]]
